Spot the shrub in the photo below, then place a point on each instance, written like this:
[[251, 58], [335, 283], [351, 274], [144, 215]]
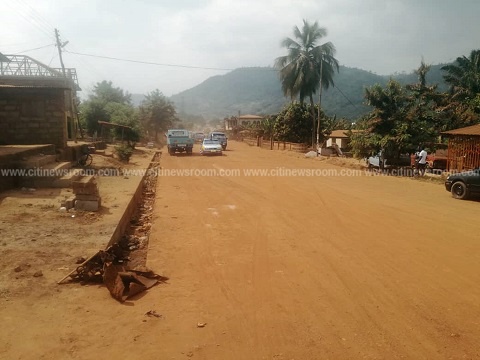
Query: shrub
[[124, 152]]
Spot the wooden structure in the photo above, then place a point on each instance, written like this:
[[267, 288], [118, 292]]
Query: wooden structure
[[275, 144], [105, 124], [463, 148]]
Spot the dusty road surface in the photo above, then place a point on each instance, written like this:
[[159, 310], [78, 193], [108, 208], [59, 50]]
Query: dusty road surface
[[311, 267], [276, 265]]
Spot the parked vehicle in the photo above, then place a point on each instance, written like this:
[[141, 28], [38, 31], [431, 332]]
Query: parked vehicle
[[463, 185], [211, 147], [382, 162], [198, 137], [221, 137], [178, 140]]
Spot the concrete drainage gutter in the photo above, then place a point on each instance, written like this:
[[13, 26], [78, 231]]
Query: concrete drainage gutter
[[124, 247], [136, 199]]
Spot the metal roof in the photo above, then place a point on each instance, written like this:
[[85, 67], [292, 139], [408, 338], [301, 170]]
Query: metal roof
[[256, 117], [17, 69], [342, 133], [3, 58], [469, 130]]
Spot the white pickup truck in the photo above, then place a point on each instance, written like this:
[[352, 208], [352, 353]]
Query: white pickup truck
[[380, 162]]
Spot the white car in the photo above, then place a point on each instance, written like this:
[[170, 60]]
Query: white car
[[211, 147], [377, 160]]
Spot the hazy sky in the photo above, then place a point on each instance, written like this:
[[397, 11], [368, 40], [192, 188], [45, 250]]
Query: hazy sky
[[202, 38]]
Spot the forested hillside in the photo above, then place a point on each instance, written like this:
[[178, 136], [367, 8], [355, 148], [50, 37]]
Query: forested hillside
[[258, 91]]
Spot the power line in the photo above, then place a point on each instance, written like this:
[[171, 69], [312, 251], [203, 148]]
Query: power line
[[341, 92], [37, 15], [150, 63], [37, 25], [88, 65], [41, 47]]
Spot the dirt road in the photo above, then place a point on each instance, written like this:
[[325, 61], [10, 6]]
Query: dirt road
[[333, 266], [312, 267]]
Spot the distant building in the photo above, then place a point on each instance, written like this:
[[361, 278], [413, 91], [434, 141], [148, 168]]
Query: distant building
[[340, 138]]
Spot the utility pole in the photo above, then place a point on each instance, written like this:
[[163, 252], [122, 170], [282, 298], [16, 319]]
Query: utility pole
[[60, 46], [74, 112], [319, 103]]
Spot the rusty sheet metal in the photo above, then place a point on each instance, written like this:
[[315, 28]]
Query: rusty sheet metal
[[124, 283]]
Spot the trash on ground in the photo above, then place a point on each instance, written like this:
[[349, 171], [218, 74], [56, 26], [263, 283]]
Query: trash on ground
[[153, 313], [108, 267]]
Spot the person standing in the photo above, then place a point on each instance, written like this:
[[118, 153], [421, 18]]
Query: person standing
[[422, 161]]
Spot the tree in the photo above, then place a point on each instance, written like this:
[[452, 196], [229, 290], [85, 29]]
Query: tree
[[425, 116], [293, 124], [464, 79], [103, 103], [402, 119], [307, 66], [387, 128], [267, 127], [464, 76], [157, 113], [124, 114], [104, 91]]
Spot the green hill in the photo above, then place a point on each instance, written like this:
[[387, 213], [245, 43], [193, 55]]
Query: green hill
[[258, 91]]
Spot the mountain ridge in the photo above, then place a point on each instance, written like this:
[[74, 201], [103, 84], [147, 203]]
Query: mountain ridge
[[257, 90]]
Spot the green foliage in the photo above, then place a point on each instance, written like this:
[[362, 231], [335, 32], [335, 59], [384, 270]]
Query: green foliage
[[474, 104], [294, 124], [124, 152], [106, 103], [157, 114], [406, 116], [363, 142], [91, 112], [342, 124], [306, 62], [267, 127], [464, 76], [106, 93], [392, 126]]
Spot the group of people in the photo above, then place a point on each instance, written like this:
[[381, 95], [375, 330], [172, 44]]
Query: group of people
[[420, 161]]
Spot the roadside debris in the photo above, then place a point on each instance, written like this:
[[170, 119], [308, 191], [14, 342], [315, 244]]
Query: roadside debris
[[153, 313], [108, 266], [124, 283]]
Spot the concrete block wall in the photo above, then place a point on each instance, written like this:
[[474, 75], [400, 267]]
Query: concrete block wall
[[32, 116]]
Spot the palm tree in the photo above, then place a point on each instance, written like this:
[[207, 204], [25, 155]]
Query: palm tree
[[308, 66], [464, 76]]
